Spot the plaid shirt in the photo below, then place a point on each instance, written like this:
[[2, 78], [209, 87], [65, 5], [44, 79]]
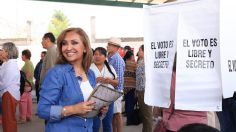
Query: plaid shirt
[[140, 76], [119, 65]]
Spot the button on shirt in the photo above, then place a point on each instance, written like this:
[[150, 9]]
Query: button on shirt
[[119, 65]]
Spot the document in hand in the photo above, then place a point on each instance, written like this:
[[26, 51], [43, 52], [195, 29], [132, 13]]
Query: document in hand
[[103, 96]]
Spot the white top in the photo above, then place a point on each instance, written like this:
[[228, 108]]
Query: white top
[[104, 73], [86, 89], [10, 78]]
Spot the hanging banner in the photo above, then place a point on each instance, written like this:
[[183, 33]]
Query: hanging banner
[[159, 50], [193, 26], [198, 81], [228, 46]]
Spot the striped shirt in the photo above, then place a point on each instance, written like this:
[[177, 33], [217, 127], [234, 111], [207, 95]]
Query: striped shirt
[[119, 65], [130, 76]]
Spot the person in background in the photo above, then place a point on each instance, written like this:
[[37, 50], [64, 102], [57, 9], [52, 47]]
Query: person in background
[[1, 98], [126, 49], [26, 103], [121, 51], [9, 86], [37, 72], [146, 110], [118, 63], [129, 86], [227, 117], [48, 42], [106, 75], [67, 86], [26, 98], [175, 119]]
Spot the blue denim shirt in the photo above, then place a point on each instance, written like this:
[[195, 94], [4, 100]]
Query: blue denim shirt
[[61, 88]]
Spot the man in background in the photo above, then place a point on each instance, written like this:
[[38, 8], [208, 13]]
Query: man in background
[[37, 72], [118, 63], [48, 42]]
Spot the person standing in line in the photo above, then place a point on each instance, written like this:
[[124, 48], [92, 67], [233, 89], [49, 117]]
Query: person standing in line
[[68, 85], [118, 63], [26, 98], [174, 118], [126, 49], [227, 117], [146, 110], [106, 75], [1, 98], [48, 42], [129, 86], [37, 72], [9, 86]]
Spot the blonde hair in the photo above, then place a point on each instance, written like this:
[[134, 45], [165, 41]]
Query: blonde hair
[[87, 57]]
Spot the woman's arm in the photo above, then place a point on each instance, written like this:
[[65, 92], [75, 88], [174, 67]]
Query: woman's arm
[[113, 82], [50, 93], [50, 96]]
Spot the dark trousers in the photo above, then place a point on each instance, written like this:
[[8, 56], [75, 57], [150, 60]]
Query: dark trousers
[[37, 90], [129, 106], [227, 116]]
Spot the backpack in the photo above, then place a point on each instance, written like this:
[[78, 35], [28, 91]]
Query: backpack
[[22, 82]]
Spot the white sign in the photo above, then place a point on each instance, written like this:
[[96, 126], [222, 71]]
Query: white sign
[[228, 46], [194, 28], [159, 50], [198, 82]]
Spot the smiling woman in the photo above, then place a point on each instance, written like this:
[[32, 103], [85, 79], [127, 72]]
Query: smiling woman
[[66, 87]]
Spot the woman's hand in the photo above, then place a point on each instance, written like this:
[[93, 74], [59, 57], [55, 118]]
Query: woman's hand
[[83, 108], [100, 80], [107, 80], [27, 89]]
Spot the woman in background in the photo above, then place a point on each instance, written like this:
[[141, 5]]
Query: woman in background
[[9, 86], [129, 86], [25, 108], [175, 119], [146, 110], [105, 74]]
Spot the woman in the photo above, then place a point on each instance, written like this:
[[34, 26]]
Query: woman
[[105, 74], [25, 108], [175, 119], [68, 85], [9, 86], [146, 111], [129, 87]]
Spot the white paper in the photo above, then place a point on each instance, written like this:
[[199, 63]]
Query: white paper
[[103, 96], [198, 82], [228, 46], [197, 89], [159, 50]]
